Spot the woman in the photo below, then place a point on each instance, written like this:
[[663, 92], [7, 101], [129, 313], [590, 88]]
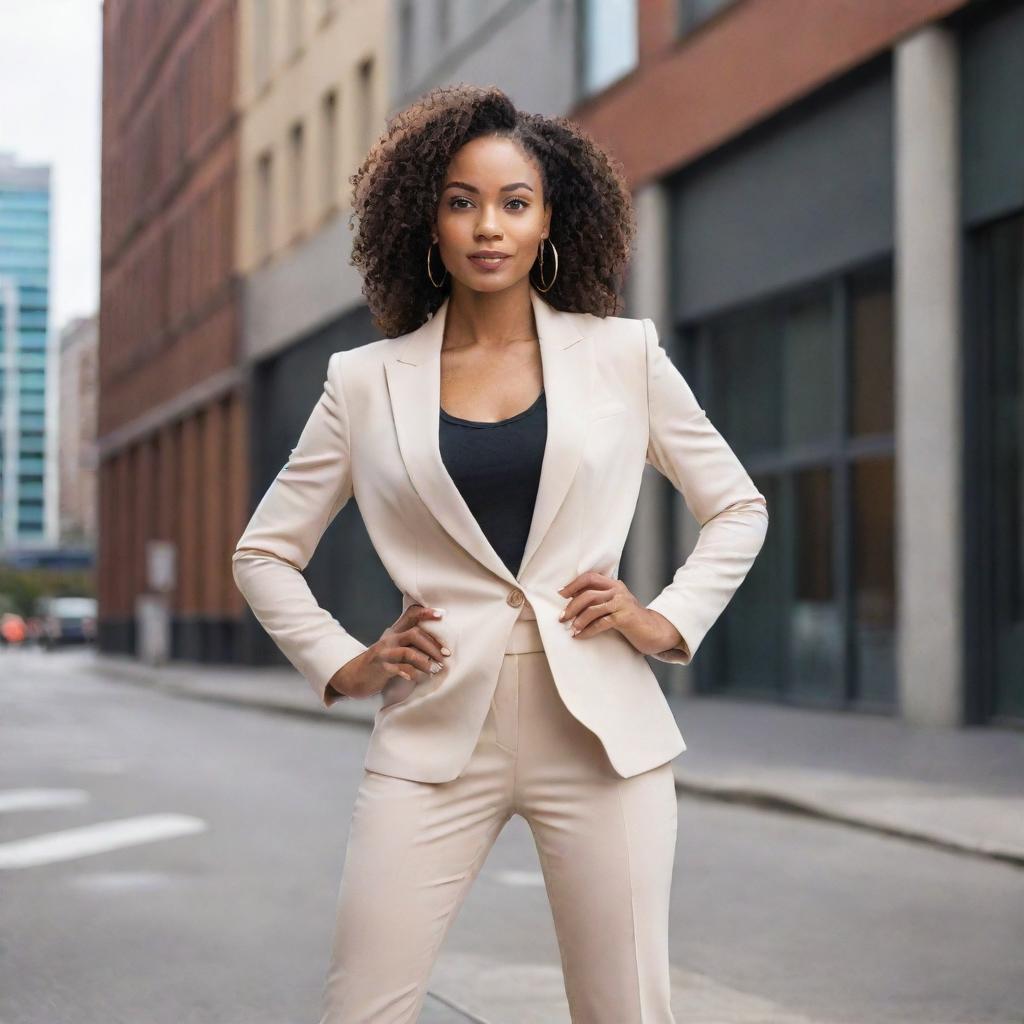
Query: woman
[[495, 442]]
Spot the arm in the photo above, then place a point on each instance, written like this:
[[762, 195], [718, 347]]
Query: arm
[[305, 496], [686, 448]]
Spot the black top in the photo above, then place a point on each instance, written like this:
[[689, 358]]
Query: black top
[[496, 467]]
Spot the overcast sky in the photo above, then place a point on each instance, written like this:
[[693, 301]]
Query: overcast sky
[[50, 85]]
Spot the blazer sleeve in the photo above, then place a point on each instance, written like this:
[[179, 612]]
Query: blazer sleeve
[[686, 448], [277, 544]]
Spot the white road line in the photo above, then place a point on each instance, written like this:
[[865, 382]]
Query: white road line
[[40, 799], [517, 878], [89, 839]]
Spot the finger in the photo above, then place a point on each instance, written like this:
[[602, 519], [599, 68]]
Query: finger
[[590, 578], [591, 610], [429, 643], [423, 662], [415, 659], [580, 602], [594, 626], [417, 613], [394, 669]]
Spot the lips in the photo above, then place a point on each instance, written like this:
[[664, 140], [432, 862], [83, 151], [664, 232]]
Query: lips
[[488, 262]]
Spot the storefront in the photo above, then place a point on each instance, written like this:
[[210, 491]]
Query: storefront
[[783, 283], [992, 97]]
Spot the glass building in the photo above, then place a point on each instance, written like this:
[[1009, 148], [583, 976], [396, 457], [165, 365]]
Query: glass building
[[27, 480]]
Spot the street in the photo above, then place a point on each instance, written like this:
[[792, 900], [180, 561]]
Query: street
[[201, 887]]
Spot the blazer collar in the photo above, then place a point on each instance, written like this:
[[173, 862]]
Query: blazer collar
[[414, 389]]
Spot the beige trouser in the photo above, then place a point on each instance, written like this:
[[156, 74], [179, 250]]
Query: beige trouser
[[606, 847]]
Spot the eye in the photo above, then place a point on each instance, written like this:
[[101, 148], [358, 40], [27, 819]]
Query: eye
[[463, 199]]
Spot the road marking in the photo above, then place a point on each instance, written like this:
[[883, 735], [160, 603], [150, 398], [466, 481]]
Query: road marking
[[39, 799], [517, 878], [71, 843]]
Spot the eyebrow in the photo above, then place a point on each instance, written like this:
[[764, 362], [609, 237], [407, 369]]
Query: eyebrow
[[472, 188]]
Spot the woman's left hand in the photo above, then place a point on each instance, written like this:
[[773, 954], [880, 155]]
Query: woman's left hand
[[598, 602]]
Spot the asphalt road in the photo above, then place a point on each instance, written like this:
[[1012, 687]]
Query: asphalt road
[[172, 861]]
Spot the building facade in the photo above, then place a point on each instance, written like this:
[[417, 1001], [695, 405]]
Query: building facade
[[170, 408], [831, 207], [313, 91], [831, 242], [28, 362]]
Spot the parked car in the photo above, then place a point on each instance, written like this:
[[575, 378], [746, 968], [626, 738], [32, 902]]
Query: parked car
[[69, 620]]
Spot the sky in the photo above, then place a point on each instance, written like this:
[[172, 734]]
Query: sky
[[50, 96]]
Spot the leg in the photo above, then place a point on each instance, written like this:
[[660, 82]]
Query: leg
[[413, 851], [606, 846]]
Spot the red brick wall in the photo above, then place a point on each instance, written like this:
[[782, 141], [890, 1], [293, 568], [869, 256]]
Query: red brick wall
[[169, 317], [692, 94]]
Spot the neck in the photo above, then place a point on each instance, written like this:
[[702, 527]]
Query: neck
[[491, 320]]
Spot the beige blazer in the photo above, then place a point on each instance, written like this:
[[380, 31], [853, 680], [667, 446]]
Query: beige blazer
[[615, 403]]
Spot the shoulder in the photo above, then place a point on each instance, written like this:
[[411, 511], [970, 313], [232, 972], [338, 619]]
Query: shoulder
[[616, 337], [353, 362]]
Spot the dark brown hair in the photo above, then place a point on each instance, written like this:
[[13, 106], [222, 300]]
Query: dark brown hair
[[397, 188]]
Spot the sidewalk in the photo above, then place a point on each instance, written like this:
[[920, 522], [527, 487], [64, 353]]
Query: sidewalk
[[961, 789]]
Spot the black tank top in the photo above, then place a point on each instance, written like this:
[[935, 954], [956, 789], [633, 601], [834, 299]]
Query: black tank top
[[496, 467]]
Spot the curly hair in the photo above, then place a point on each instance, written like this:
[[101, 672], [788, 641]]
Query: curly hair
[[397, 188]]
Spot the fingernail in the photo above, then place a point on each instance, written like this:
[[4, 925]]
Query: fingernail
[[435, 667], [445, 651], [439, 612], [562, 616]]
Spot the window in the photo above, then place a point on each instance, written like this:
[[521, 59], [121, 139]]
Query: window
[[260, 42], [264, 220], [296, 177], [295, 26], [405, 40], [608, 42], [365, 103], [995, 463], [329, 149], [691, 13], [801, 387]]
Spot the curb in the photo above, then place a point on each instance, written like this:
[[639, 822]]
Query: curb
[[749, 794], [765, 797]]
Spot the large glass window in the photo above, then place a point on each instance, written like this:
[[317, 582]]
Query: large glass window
[[608, 41], [995, 468], [801, 387]]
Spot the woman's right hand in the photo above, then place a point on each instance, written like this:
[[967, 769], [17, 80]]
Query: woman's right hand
[[406, 649]]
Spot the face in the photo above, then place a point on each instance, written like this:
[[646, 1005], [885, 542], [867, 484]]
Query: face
[[491, 199]]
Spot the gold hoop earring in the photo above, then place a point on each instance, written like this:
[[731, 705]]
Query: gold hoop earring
[[429, 274], [547, 287]]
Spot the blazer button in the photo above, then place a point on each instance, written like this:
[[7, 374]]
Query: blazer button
[[515, 598]]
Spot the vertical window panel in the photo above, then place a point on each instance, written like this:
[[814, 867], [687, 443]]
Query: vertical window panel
[[874, 581]]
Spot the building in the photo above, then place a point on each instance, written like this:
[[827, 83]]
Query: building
[[313, 91], [170, 408], [28, 507], [831, 205]]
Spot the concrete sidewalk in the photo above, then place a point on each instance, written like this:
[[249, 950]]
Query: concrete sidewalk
[[962, 789]]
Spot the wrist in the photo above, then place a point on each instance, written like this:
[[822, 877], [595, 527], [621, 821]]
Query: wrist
[[666, 635]]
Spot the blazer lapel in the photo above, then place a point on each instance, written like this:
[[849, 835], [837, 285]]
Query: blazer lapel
[[414, 389]]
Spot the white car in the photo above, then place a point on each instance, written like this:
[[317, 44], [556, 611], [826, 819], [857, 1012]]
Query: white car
[[69, 620]]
